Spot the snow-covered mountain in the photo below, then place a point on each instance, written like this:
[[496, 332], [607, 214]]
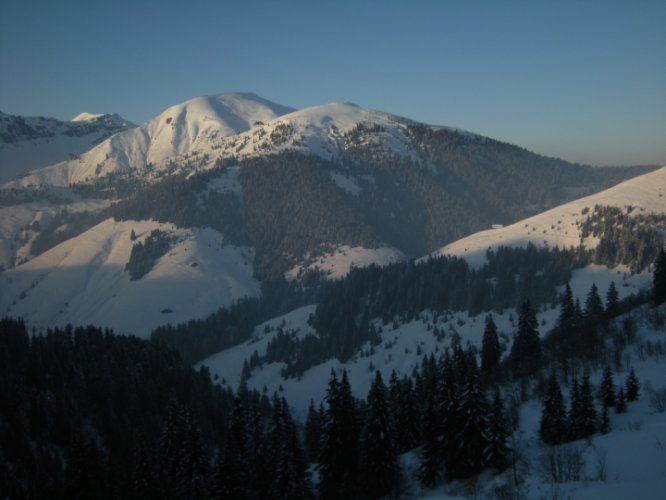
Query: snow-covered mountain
[[29, 143], [84, 280], [192, 129], [324, 188], [562, 226]]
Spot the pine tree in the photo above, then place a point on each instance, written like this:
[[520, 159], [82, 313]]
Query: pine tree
[[379, 465], [573, 418], [612, 301], [191, 472], [338, 449], [231, 478], [659, 278], [632, 386], [313, 432], [553, 427], [471, 440], [258, 453], [183, 462], [583, 416], [526, 349], [405, 412], [430, 465], [497, 452], [84, 473], [607, 388], [567, 310], [490, 351], [594, 308], [290, 478]]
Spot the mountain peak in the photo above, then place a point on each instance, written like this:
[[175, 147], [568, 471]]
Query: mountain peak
[[87, 117]]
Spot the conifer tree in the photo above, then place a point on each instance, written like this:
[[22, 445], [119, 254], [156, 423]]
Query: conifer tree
[[490, 350], [612, 301], [526, 349], [607, 388], [632, 386], [471, 440], [497, 452], [594, 308], [567, 310], [183, 463], [84, 473], [338, 448], [379, 465], [659, 278], [573, 418], [404, 410], [313, 431], [452, 380], [583, 418], [553, 427], [231, 479], [290, 478], [430, 465], [260, 458]]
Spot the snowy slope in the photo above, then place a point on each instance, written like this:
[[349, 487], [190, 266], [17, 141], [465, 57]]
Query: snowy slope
[[185, 132], [19, 224], [403, 345], [329, 130], [82, 281], [28, 143], [338, 263], [560, 226]]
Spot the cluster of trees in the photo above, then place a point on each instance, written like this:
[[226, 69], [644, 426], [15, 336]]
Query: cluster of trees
[[461, 430], [199, 338], [144, 254], [583, 419], [88, 414], [583, 333], [659, 278], [511, 178], [345, 307], [400, 291], [292, 207], [624, 237], [442, 407]]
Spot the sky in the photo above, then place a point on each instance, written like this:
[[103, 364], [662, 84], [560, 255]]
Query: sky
[[580, 80]]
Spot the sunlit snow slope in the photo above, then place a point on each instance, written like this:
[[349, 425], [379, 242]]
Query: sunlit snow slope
[[560, 226], [83, 280], [190, 129]]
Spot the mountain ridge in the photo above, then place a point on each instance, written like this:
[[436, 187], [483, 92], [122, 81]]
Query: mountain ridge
[[28, 143]]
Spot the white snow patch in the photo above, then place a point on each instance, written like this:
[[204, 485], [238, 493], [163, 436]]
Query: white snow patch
[[227, 182], [346, 182], [338, 263]]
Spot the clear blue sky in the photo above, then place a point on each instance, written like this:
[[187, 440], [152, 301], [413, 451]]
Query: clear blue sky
[[581, 80]]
